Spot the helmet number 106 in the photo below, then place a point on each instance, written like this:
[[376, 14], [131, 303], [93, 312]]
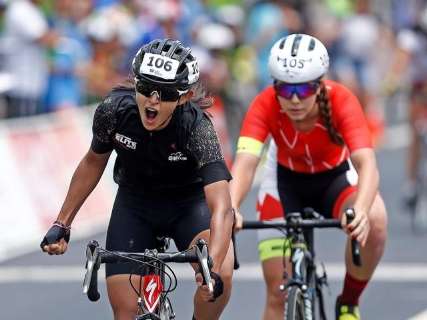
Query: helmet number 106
[[159, 63]]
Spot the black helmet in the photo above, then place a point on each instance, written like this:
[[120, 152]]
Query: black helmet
[[166, 62]]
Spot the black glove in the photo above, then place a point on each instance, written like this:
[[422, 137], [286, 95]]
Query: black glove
[[56, 233], [218, 288], [219, 285]]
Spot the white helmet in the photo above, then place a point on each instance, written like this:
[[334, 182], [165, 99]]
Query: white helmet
[[298, 58]]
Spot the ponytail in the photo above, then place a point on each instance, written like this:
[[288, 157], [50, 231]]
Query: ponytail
[[200, 96], [325, 113]]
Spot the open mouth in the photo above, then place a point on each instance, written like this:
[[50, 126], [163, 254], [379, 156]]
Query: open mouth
[[151, 113]]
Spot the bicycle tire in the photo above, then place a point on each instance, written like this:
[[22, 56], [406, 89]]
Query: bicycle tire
[[165, 311], [294, 306]]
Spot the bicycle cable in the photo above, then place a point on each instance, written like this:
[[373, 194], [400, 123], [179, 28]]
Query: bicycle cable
[[169, 273], [172, 278]]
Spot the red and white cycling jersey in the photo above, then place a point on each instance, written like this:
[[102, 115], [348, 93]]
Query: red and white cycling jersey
[[311, 151]]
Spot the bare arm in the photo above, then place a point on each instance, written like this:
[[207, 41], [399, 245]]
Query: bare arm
[[368, 182], [243, 173], [218, 200], [84, 180]]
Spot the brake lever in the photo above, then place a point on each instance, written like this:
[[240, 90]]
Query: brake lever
[[355, 246], [90, 282], [205, 263]]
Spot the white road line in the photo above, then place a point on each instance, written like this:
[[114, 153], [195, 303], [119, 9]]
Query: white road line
[[387, 272]]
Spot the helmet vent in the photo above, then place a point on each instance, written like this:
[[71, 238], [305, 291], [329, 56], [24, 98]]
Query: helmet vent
[[282, 44], [166, 48], [311, 45], [295, 45]]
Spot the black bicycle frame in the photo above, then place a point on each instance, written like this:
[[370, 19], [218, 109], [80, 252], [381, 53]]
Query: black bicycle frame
[[304, 270], [299, 229]]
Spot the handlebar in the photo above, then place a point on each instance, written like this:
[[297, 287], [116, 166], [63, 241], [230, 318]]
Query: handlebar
[[304, 224], [314, 220], [96, 255]]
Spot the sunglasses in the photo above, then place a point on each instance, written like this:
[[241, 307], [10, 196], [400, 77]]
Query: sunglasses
[[302, 90], [167, 94]]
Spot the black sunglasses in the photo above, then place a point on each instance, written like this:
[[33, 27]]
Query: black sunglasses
[[167, 94]]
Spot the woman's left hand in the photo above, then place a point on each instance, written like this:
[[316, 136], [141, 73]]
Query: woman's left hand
[[359, 228]]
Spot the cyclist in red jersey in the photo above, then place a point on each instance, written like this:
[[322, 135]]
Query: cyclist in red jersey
[[320, 132]]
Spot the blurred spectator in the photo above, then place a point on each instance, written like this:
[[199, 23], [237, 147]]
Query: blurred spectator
[[233, 17], [162, 22], [69, 57], [356, 65], [404, 13], [409, 68], [2, 10], [89, 63], [218, 3], [358, 40], [4, 78], [98, 4], [340, 8], [26, 36], [265, 25], [110, 30], [214, 73]]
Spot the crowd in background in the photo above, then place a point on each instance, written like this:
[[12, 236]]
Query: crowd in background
[[58, 54]]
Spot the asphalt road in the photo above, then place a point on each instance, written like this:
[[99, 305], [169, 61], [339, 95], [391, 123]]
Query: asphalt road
[[37, 286]]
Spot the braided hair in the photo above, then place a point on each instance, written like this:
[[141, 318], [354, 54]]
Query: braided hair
[[326, 115]]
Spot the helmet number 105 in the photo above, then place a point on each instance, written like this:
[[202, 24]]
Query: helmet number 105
[[293, 63]]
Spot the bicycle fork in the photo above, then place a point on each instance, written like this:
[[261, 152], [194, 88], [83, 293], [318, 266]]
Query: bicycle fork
[[305, 277]]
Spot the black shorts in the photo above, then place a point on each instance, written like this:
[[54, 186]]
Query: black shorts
[[137, 220], [324, 191]]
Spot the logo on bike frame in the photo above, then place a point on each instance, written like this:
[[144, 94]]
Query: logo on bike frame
[[152, 289]]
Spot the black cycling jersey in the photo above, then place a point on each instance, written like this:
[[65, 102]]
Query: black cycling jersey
[[185, 155]]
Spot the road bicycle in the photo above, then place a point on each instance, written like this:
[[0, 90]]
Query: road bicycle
[[304, 286], [157, 279]]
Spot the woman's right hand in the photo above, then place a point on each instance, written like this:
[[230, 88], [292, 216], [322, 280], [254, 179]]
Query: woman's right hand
[[56, 248], [238, 220], [56, 240]]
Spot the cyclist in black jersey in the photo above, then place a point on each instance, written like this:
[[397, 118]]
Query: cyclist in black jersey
[[171, 173]]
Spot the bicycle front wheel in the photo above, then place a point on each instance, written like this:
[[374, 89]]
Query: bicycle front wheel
[[294, 306], [166, 312]]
